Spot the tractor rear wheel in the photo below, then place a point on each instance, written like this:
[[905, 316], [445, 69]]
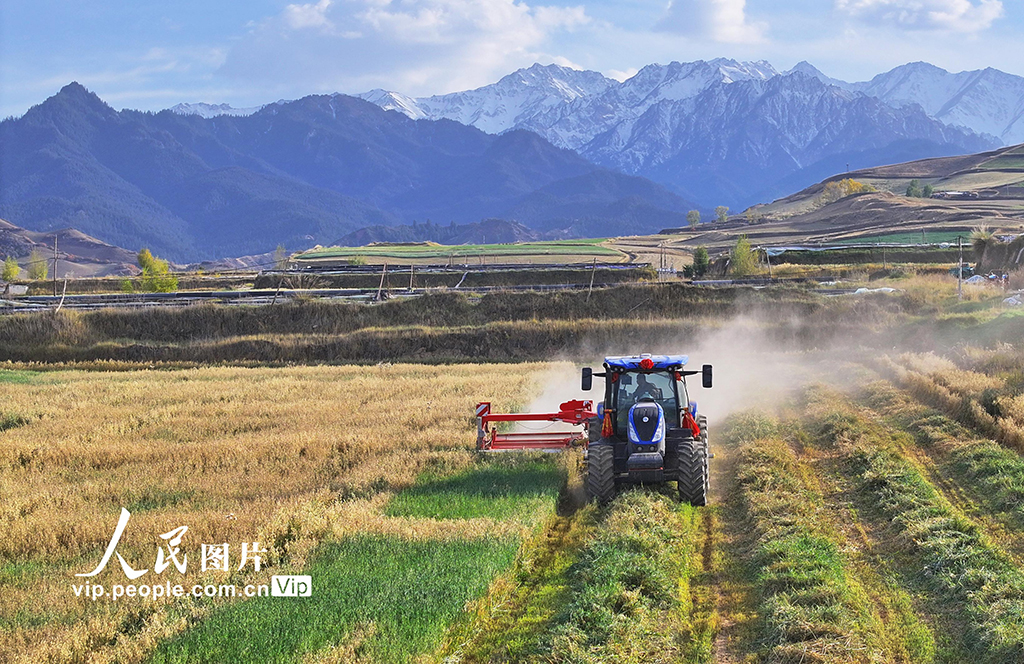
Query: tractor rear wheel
[[601, 473], [693, 473]]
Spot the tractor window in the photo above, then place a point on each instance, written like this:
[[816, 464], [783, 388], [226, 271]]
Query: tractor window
[[632, 387]]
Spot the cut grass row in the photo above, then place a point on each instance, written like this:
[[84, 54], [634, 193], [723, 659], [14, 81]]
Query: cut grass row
[[617, 584], [957, 564], [813, 607]]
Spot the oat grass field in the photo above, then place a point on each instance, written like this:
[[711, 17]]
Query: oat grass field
[[288, 457]]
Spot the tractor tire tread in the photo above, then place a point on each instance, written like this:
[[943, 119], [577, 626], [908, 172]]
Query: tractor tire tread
[[601, 473], [693, 473]]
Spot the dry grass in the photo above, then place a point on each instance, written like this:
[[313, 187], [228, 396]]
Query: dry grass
[[284, 456]]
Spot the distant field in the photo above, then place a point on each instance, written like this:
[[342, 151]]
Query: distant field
[[908, 238], [584, 249], [988, 179], [1009, 160]]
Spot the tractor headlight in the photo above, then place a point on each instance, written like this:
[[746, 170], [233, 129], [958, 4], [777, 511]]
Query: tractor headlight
[[631, 431]]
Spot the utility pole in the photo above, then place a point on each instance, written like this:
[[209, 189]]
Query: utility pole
[[768, 257], [55, 265], [412, 271], [593, 271], [380, 288], [960, 268]]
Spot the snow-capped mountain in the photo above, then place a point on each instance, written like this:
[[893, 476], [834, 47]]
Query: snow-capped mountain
[[569, 107], [986, 100], [726, 131], [576, 123], [395, 101], [738, 142], [508, 104], [211, 110]]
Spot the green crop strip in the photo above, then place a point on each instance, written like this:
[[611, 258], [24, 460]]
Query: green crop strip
[[16, 377], [385, 597], [956, 560], [508, 488], [521, 607], [993, 474], [628, 591], [404, 592]]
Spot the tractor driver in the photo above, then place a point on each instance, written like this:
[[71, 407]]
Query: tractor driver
[[645, 388]]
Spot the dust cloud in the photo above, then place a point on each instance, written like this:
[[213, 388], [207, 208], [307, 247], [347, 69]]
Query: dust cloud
[[753, 367]]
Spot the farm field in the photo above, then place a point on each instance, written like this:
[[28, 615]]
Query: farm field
[[865, 502], [555, 251]]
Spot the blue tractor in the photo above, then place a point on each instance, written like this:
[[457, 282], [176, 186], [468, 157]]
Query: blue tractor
[[647, 430]]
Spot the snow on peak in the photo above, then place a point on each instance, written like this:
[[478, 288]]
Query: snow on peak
[[504, 105], [211, 110], [806, 68], [394, 101], [987, 101], [571, 107]]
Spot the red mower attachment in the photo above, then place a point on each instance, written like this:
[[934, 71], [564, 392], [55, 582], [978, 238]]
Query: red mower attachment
[[575, 412]]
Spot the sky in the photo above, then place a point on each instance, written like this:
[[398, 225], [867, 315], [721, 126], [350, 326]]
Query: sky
[[151, 55]]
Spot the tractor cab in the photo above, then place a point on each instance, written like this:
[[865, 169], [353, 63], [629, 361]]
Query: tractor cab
[[657, 378], [645, 423]]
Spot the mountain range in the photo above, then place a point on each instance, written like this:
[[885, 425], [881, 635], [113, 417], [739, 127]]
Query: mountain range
[[296, 173], [739, 133], [562, 152]]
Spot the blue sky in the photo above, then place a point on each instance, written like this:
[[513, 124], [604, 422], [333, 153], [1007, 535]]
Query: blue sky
[[151, 55]]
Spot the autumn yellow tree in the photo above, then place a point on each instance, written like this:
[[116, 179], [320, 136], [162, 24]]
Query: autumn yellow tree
[[839, 189], [38, 265], [156, 274], [11, 270]]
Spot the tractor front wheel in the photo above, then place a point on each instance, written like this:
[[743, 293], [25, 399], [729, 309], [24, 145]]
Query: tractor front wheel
[[703, 423], [601, 473], [693, 473]]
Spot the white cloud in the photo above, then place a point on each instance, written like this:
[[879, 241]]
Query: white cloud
[[298, 17], [416, 46], [718, 20], [620, 75], [950, 15]]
